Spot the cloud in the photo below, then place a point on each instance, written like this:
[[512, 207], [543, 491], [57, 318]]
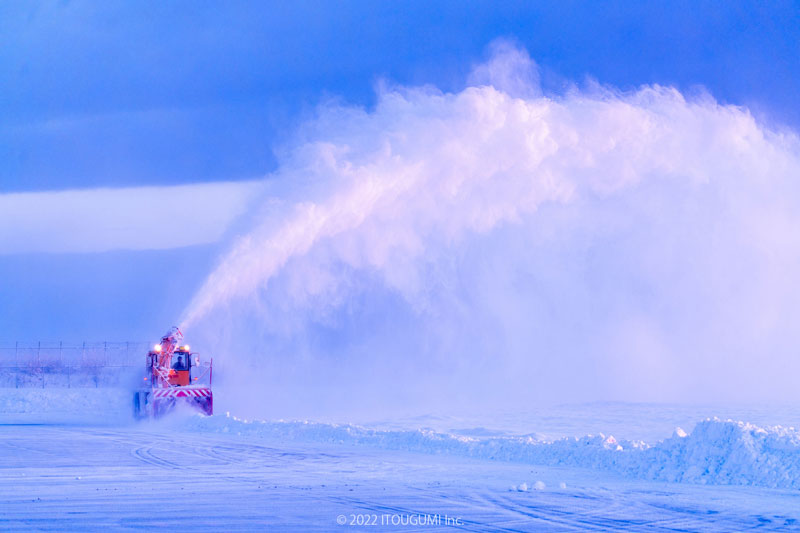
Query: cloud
[[510, 70], [142, 218], [501, 242]]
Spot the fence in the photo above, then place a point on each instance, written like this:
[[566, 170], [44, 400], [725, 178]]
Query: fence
[[56, 364]]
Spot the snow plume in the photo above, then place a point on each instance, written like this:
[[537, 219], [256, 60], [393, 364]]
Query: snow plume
[[498, 244]]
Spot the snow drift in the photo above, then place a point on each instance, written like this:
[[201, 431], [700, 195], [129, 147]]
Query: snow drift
[[716, 452]]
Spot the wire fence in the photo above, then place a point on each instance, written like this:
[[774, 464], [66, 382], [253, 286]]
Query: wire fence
[[58, 364]]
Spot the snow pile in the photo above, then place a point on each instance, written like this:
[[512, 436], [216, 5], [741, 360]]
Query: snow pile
[[523, 487], [726, 453], [717, 452]]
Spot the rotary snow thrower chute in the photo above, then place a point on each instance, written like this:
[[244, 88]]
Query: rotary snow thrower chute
[[174, 375]]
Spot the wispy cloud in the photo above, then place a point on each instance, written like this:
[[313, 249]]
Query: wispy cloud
[[140, 218]]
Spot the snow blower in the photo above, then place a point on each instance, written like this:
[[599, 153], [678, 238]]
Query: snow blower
[[174, 375]]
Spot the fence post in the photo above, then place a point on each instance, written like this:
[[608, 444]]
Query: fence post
[[39, 363]]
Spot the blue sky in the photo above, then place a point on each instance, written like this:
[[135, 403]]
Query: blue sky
[[117, 93], [120, 94]]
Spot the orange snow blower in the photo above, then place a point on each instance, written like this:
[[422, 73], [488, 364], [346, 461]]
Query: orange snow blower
[[174, 375]]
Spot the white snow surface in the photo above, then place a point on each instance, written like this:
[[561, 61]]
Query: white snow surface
[[719, 452], [65, 405], [72, 459], [716, 451]]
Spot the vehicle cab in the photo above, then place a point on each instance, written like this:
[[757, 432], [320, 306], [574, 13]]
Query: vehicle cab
[[180, 373]]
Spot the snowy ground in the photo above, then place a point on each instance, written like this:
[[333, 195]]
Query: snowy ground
[[224, 474]]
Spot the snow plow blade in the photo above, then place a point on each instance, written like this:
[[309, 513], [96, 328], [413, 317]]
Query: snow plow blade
[[158, 402]]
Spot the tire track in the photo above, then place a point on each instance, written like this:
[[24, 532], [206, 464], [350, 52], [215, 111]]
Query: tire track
[[146, 455]]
